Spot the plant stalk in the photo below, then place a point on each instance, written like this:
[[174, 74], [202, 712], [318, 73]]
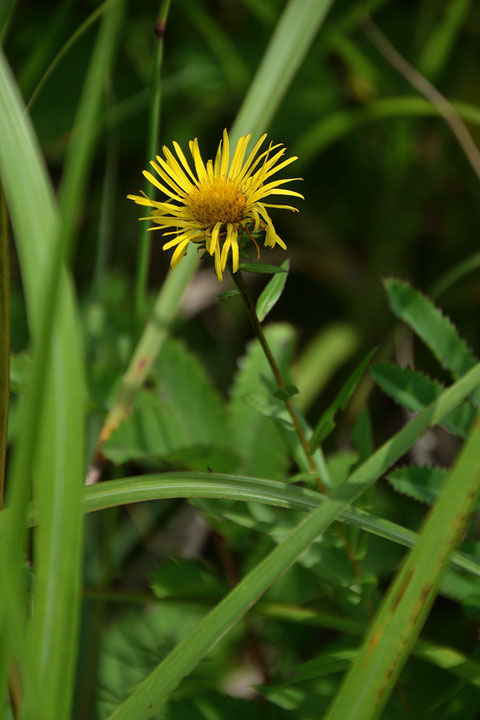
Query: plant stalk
[[152, 143], [313, 467]]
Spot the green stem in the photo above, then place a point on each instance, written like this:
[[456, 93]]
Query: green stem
[[152, 142], [96, 14], [5, 335], [257, 327], [313, 467]]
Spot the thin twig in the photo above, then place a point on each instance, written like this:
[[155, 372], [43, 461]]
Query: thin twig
[[425, 88]]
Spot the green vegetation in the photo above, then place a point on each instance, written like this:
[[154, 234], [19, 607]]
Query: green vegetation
[[250, 498]]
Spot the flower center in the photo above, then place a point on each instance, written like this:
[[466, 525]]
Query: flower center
[[217, 201]]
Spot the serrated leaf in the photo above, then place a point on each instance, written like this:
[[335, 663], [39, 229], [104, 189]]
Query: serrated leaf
[[286, 392], [326, 422], [420, 483], [256, 267], [428, 322], [180, 421], [272, 292], [414, 390], [228, 294], [257, 439]]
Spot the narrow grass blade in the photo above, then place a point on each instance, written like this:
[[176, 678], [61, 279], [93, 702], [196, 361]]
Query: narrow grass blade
[[79, 32], [326, 422], [5, 338], [54, 624], [6, 11], [411, 595], [153, 133], [293, 35], [243, 489], [154, 690], [34, 221], [442, 39], [454, 274]]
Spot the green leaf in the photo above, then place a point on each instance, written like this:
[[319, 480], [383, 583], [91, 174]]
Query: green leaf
[[272, 292], [286, 392], [434, 328], [181, 420], [326, 422], [414, 390], [420, 483], [256, 267], [263, 451], [244, 489], [227, 295]]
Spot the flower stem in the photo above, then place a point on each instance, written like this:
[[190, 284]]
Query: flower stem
[[240, 283], [257, 327]]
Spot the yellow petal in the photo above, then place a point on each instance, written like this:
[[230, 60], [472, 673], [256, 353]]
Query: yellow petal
[[197, 159], [179, 253], [225, 155], [183, 160]]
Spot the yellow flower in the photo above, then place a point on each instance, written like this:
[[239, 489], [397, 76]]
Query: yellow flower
[[218, 201]]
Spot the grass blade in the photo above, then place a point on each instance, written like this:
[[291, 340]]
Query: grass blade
[[5, 334], [79, 32], [244, 489], [292, 37], [411, 595], [54, 622], [241, 488], [55, 395], [156, 688], [34, 220], [153, 132]]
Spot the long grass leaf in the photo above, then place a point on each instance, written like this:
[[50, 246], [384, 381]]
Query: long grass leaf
[[5, 335], [293, 35], [34, 219], [153, 132], [241, 488], [410, 597], [54, 622], [156, 688]]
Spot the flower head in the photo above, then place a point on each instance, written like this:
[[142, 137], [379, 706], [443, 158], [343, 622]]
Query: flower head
[[216, 203]]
